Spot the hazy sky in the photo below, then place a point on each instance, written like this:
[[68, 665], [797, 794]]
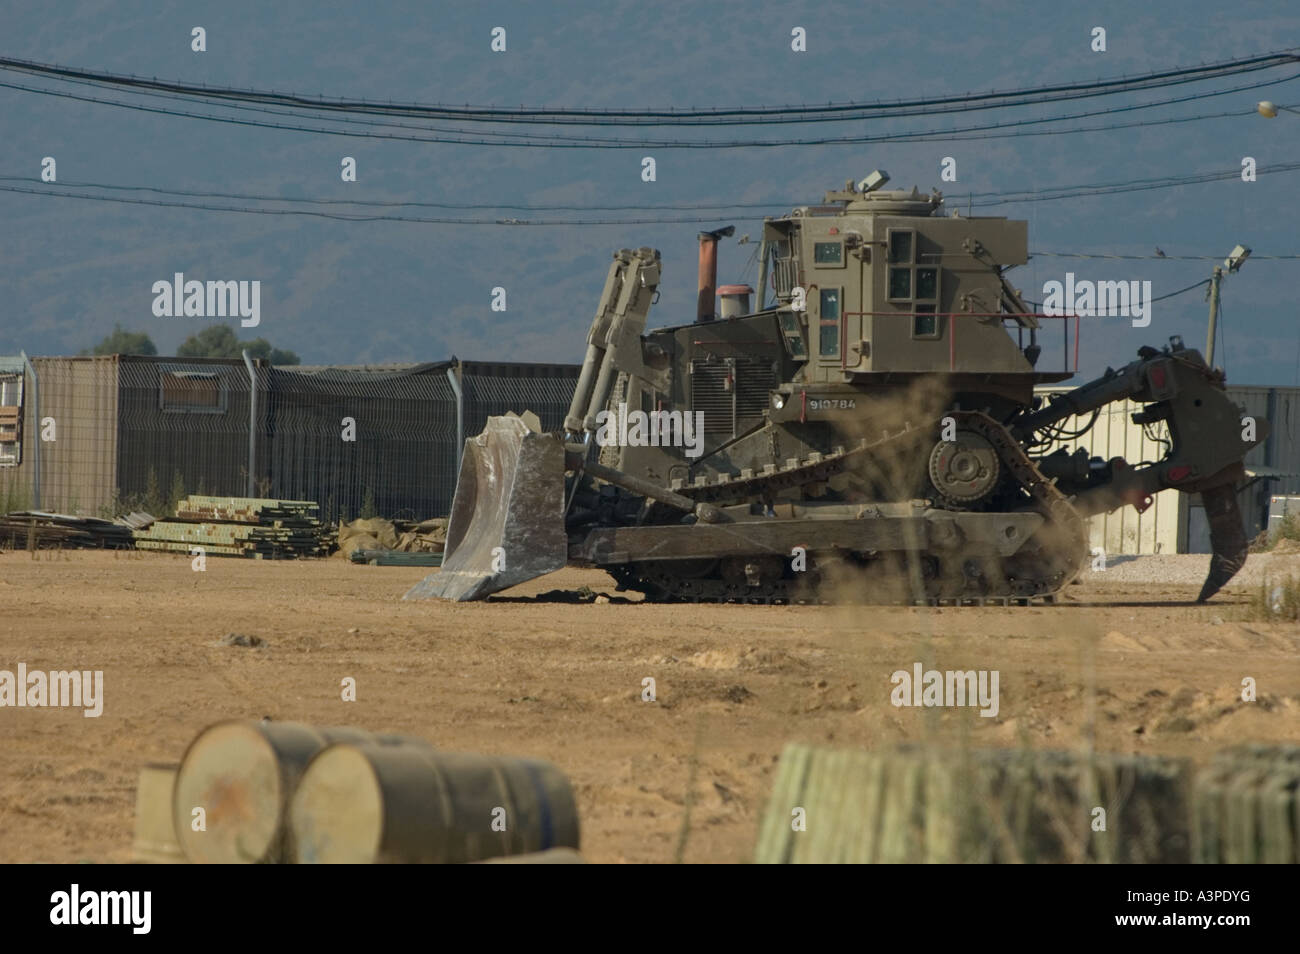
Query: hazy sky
[[345, 292]]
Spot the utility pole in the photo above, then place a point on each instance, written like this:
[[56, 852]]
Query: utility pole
[[1232, 263], [1214, 315]]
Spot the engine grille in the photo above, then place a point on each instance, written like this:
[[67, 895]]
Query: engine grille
[[732, 393]]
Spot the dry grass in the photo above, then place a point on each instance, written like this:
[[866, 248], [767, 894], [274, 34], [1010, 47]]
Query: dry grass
[[1277, 600]]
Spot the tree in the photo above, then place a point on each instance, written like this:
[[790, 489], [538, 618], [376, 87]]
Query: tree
[[284, 357], [261, 348], [215, 341], [122, 341], [153, 499], [177, 493], [220, 341]]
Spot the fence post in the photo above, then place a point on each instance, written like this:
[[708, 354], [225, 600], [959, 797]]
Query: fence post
[[252, 420], [453, 375], [36, 444]]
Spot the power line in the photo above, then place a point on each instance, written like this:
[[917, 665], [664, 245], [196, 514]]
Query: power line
[[985, 199], [1172, 294], [481, 206], [381, 203], [522, 139], [1183, 291], [348, 217], [732, 116], [529, 140], [1141, 185]]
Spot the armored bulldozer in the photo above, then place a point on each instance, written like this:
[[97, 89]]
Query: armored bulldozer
[[870, 435]]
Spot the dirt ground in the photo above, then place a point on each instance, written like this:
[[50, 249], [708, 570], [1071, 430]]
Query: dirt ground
[[1141, 664]]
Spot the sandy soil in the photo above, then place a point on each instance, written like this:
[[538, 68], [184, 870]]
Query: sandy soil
[[563, 682]]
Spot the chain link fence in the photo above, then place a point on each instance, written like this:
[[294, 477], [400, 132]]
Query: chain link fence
[[100, 436]]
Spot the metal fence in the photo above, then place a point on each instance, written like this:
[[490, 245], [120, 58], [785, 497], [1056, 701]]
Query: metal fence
[[357, 442], [127, 432], [182, 425]]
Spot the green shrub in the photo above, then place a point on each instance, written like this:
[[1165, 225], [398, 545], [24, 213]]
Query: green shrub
[[1289, 529]]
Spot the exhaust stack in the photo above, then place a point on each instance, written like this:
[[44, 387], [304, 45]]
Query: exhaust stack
[[705, 308], [735, 300]]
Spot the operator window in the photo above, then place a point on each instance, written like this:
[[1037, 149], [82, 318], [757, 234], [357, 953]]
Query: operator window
[[792, 332], [927, 284], [828, 253], [900, 284], [829, 322], [911, 284], [925, 323], [901, 243]]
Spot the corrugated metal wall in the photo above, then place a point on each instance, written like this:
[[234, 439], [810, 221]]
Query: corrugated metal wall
[[1281, 452], [1115, 435], [79, 466]]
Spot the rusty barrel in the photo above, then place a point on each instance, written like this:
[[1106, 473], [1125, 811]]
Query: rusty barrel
[[361, 803], [242, 774]]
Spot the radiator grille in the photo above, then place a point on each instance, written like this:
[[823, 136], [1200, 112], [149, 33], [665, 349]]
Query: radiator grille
[[732, 393]]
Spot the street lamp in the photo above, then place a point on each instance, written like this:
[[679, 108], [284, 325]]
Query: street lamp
[[1232, 263], [1269, 109]]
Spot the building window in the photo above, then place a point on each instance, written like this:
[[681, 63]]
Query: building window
[[829, 322], [11, 420], [828, 253], [199, 392]]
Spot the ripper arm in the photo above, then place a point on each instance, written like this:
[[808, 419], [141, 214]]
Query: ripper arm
[[1209, 438]]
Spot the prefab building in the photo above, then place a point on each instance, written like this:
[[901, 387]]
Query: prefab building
[[98, 430], [1175, 522]]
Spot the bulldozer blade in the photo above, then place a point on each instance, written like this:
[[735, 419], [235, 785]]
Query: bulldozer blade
[[507, 518], [1227, 538]]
